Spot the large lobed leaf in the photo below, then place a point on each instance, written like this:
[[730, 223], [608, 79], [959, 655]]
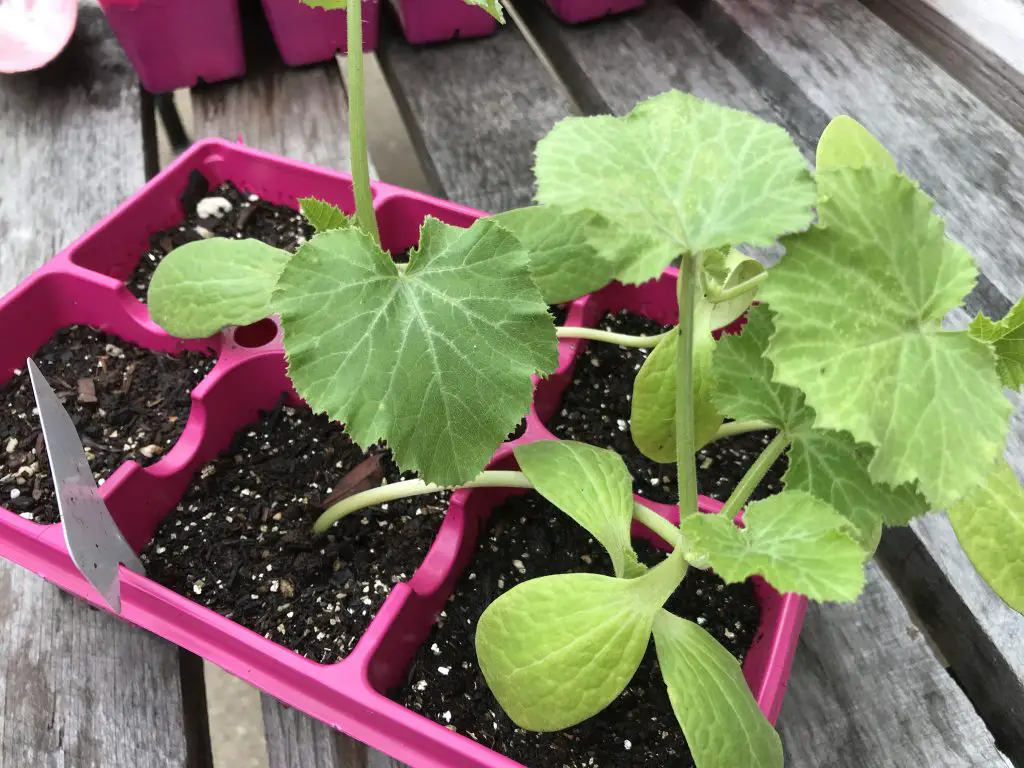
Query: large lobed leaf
[[1007, 339], [435, 358], [797, 542], [559, 649], [207, 285], [718, 714], [845, 143], [990, 525], [694, 174], [858, 307], [593, 487]]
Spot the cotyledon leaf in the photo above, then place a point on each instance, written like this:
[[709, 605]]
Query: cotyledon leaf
[[324, 216], [592, 486], [694, 174], [826, 463], [1007, 339], [797, 542], [872, 358], [435, 357], [845, 143], [564, 261], [723, 725], [989, 522], [207, 285], [559, 649]]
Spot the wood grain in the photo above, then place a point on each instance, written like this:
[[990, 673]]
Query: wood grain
[[70, 147], [979, 43], [475, 109]]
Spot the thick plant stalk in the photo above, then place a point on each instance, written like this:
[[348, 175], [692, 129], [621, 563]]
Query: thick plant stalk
[[365, 217], [686, 295]]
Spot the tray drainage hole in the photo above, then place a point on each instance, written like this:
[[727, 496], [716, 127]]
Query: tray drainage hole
[[256, 334]]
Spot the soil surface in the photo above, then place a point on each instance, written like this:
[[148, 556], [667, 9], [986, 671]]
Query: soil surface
[[527, 538], [595, 409], [126, 402], [224, 212], [241, 540]]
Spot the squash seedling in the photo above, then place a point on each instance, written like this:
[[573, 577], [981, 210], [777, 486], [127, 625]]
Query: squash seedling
[[882, 412]]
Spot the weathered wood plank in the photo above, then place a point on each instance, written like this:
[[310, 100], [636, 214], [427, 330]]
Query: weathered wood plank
[[70, 146], [475, 110], [862, 663], [981, 44]]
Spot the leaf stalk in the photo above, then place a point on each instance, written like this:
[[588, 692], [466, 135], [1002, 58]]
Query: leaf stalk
[[365, 216], [609, 337], [687, 288], [755, 475], [720, 295]]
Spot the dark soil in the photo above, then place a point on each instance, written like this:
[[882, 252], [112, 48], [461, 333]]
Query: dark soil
[[595, 409], [528, 538], [126, 402], [248, 217], [241, 541]]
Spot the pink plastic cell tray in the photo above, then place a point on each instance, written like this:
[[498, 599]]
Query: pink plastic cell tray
[[579, 11], [307, 35], [85, 284], [435, 21]]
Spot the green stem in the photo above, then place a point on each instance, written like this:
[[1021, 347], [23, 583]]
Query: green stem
[[365, 216], [608, 337], [733, 428], [687, 285], [656, 523], [755, 475], [726, 294]]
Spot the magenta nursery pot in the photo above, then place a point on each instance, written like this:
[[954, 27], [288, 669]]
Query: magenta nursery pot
[[435, 21], [307, 35], [579, 11], [85, 284], [175, 43]]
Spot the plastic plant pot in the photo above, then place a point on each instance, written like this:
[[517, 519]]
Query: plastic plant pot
[[435, 21], [579, 11], [85, 284], [176, 43], [306, 35]]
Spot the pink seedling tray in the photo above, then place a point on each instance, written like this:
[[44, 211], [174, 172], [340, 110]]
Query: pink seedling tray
[[435, 21], [175, 43], [85, 284], [307, 35], [579, 11]]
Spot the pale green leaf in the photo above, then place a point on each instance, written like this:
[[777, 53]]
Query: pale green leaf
[[845, 143], [639, 255], [207, 285], [592, 486], [564, 261], [652, 421], [434, 357], [324, 216], [559, 649], [493, 7], [826, 463], [694, 174], [797, 542], [723, 725], [730, 269], [1007, 339], [858, 308], [990, 525]]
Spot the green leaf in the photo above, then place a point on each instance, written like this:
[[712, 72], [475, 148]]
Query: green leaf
[[592, 486], [728, 270], [652, 419], [990, 525], [493, 7], [797, 542], [826, 463], [207, 285], [639, 255], [845, 143], [323, 216], [435, 358], [1007, 339], [692, 173], [710, 698], [563, 260], [559, 649], [858, 308]]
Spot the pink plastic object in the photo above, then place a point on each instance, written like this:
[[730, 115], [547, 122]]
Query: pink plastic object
[[34, 32], [175, 43], [579, 11], [435, 21], [85, 284], [306, 35]]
